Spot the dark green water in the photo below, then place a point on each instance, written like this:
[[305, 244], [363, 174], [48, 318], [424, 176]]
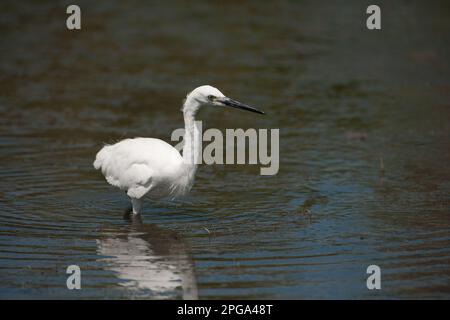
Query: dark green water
[[364, 149]]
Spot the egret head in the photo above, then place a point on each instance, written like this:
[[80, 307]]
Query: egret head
[[210, 96]]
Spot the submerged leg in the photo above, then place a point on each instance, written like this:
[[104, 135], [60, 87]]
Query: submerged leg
[[127, 213], [137, 205]]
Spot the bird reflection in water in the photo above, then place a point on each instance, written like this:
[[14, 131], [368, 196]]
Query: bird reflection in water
[[152, 262]]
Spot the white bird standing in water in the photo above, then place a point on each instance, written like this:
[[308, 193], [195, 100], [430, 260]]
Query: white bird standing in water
[[152, 167]]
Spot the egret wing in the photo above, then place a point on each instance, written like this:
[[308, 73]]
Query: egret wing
[[134, 164]]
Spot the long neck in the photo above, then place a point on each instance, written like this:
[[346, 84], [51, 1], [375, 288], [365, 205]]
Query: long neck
[[192, 141]]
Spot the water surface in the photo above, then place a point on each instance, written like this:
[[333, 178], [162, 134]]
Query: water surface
[[364, 150]]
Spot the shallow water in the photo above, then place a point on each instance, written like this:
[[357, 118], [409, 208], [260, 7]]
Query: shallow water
[[364, 150]]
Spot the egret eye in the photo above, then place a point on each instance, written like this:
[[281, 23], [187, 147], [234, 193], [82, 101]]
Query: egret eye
[[211, 97]]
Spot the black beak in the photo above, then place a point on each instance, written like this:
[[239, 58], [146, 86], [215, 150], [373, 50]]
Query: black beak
[[236, 104]]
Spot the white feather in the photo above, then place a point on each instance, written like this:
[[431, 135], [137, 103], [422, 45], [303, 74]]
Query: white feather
[[140, 165]]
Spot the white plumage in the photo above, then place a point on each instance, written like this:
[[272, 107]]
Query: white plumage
[[152, 167], [140, 164]]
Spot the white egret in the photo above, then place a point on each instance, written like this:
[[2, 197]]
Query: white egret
[[151, 167]]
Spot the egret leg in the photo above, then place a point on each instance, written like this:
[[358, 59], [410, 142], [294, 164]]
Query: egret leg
[[127, 213], [137, 205]]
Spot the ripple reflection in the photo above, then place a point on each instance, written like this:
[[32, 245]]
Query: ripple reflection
[[150, 261]]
